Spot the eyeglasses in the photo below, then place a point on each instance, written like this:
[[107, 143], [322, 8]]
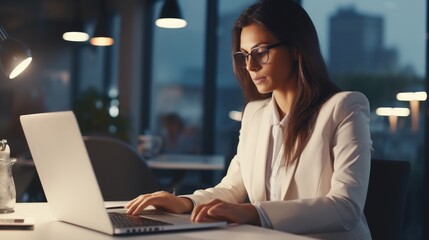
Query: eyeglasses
[[259, 54]]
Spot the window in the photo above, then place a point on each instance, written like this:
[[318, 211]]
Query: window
[[369, 47], [177, 81], [230, 99]]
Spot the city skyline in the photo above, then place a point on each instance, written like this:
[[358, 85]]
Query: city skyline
[[397, 30]]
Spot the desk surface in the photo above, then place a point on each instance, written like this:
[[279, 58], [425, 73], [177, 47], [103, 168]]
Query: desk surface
[[46, 228], [187, 162]]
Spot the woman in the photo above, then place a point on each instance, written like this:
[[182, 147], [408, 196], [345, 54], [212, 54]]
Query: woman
[[304, 150]]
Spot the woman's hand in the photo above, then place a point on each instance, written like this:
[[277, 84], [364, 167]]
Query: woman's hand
[[160, 200], [220, 210]]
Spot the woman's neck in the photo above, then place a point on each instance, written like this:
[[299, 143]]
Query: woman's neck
[[284, 102]]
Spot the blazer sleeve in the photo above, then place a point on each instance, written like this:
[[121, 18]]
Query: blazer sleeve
[[341, 209]]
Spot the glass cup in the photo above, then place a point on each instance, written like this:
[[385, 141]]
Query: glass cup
[[7, 186], [149, 145]]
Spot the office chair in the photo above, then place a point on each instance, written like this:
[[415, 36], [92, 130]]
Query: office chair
[[385, 202], [121, 172]]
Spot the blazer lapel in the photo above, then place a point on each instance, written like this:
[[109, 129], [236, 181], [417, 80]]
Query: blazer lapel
[[262, 137], [260, 158]]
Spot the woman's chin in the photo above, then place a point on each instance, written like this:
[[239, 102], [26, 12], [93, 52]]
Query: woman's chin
[[264, 90]]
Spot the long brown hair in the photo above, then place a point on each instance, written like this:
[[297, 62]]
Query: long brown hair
[[290, 24]]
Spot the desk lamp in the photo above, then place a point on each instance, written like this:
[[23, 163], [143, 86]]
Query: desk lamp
[[14, 58], [14, 55]]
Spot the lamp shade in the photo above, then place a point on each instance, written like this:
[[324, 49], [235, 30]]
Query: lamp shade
[[102, 35], [76, 32], [14, 55], [171, 16]]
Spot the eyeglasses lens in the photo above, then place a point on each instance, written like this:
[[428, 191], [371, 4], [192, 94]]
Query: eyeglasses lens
[[259, 55], [240, 59]]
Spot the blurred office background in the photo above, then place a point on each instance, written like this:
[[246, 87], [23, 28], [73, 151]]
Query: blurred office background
[[179, 84]]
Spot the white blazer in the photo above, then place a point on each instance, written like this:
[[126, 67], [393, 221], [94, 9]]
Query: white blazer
[[325, 191]]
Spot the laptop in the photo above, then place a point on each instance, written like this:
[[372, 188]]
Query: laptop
[[71, 187]]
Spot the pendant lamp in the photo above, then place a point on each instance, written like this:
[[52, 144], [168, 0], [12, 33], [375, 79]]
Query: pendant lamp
[[76, 32], [102, 35], [171, 16]]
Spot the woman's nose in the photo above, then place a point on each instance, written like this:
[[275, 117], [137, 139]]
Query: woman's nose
[[251, 64]]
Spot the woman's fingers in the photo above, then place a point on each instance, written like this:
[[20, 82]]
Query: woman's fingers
[[201, 212], [214, 210], [160, 200], [222, 211], [141, 202], [219, 210], [137, 205], [130, 203]]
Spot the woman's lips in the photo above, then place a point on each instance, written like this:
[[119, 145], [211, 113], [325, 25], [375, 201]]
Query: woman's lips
[[258, 80]]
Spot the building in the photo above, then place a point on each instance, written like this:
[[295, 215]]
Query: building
[[357, 45]]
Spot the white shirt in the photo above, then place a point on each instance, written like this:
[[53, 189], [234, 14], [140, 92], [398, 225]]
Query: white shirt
[[275, 170]]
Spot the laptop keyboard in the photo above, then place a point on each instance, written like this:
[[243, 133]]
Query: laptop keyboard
[[126, 220]]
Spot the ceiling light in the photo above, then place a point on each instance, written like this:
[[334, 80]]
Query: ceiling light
[[171, 16], [102, 36], [76, 32], [76, 36]]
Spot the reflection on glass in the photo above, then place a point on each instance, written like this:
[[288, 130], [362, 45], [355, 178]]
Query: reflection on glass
[[393, 114], [177, 82], [414, 98], [370, 48], [229, 96]]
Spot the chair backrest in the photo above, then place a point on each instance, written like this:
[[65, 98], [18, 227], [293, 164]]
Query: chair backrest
[[387, 193], [121, 172]]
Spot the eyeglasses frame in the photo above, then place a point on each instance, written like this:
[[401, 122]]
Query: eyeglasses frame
[[268, 47]]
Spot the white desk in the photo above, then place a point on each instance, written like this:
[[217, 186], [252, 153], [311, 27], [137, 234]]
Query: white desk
[[187, 162], [47, 228], [181, 164]]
